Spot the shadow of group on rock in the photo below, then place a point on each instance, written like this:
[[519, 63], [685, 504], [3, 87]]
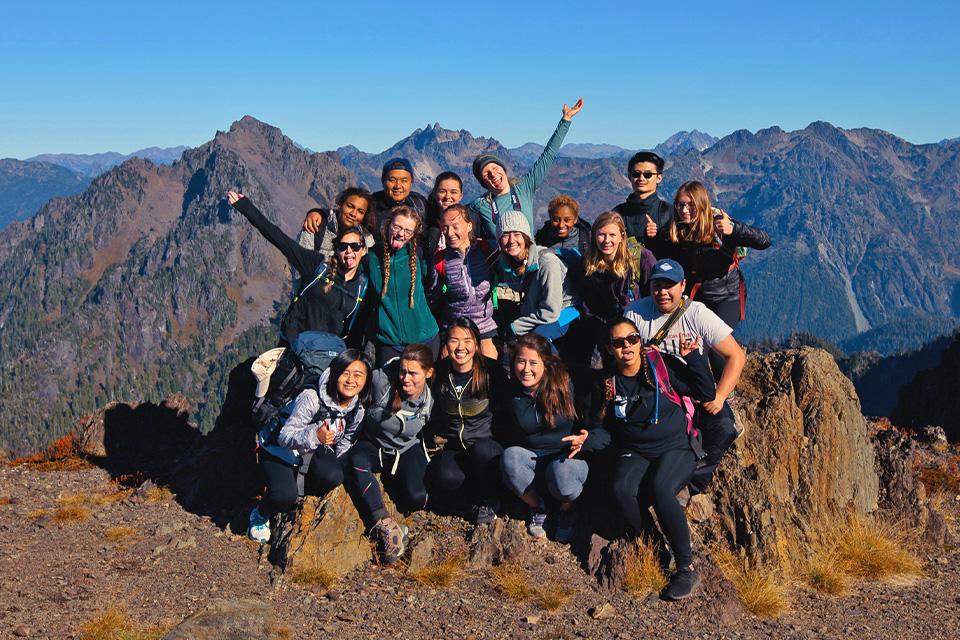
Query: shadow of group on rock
[[807, 458]]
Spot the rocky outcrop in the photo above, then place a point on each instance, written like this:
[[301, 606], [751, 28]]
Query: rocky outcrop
[[234, 619]]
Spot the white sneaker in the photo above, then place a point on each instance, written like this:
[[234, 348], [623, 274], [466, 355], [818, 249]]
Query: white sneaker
[[259, 529]]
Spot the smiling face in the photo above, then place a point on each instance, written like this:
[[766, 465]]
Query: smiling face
[[461, 346], [400, 230], [528, 368], [397, 183], [448, 193], [495, 178], [351, 381], [456, 230], [350, 250], [644, 186], [563, 219], [413, 378], [608, 239], [353, 211], [686, 208], [514, 244], [666, 295]]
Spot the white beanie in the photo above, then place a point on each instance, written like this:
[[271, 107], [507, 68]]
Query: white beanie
[[514, 220]]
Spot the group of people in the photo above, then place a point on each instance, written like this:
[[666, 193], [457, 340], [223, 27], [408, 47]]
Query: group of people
[[486, 360]]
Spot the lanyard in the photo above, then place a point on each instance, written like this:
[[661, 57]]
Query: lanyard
[[494, 213]]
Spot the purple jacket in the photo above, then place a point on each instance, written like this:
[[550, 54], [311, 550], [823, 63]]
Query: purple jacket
[[469, 282]]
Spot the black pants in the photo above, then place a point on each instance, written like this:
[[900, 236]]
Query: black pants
[[729, 312], [476, 469], [671, 472], [387, 352], [718, 431], [407, 484], [324, 473]]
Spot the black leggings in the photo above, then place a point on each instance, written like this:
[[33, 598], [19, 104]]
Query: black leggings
[[729, 312], [478, 468], [387, 352], [366, 460], [718, 432], [324, 473], [671, 472]]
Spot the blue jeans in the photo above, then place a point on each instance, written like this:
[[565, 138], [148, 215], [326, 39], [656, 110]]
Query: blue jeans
[[564, 477]]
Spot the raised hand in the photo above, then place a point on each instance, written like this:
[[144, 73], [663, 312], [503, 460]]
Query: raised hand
[[688, 344], [651, 228], [233, 197], [325, 435], [722, 222], [313, 222], [569, 112], [576, 442]]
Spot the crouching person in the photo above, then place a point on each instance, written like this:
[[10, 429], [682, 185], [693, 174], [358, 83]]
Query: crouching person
[[390, 445], [306, 453], [544, 426], [638, 405]]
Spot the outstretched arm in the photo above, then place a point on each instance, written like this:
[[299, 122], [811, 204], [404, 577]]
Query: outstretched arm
[[538, 173], [303, 260]]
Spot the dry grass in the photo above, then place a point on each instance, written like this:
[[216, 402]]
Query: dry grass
[[942, 478], [71, 508], [121, 534], [762, 589], [159, 494], [512, 581], [442, 574], [63, 455], [4, 500], [826, 573], [553, 596], [872, 551], [39, 513], [311, 573], [112, 497], [116, 624], [644, 574]]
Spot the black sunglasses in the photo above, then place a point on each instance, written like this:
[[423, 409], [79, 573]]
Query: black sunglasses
[[343, 246], [620, 343], [646, 174]]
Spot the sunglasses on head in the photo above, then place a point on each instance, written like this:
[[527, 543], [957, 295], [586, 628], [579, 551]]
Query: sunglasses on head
[[343, 246], [646, 174], [620, 343]]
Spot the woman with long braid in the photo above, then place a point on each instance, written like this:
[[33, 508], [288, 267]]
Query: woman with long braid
[[396, 272]]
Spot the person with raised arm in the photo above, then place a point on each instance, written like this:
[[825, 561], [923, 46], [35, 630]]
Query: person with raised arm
[[353, 205], [504, 194], [332, 290]]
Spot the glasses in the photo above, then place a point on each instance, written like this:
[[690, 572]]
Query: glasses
[[646, 175], [680, 206], [395, 228], [354, 246], [620, 343]]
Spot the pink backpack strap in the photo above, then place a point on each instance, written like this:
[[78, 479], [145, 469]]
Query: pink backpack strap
[[684, 402]]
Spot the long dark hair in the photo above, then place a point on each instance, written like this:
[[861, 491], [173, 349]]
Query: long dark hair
[[343, 360], [553, 395], [422, 355], [480, 386], [368, 222], [644, 361], [333, 262]]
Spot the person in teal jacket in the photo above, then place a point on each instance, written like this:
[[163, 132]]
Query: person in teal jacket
[[504, 194], [396, 281]]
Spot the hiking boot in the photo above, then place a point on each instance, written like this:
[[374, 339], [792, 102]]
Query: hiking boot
[[485, 514], [566, 526], [535, 524], [391, 540], [682, 583], [259, 529]]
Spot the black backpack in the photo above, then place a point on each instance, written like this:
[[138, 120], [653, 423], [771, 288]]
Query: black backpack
[[297, 369]]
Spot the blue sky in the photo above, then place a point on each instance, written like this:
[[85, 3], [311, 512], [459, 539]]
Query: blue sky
[[99, 76]]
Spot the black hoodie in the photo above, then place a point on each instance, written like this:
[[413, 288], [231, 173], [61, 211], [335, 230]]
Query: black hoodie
[[635, 211]]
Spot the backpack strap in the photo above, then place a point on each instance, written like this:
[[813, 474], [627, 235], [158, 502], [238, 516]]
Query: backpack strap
[[361, 290], [662, 380], [662, 332], [317, 276]]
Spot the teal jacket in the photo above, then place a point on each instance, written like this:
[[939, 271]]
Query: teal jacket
[[397, 323], [525, 188]]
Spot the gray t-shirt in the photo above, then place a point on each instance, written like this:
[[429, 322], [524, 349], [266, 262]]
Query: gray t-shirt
[[697, 322]]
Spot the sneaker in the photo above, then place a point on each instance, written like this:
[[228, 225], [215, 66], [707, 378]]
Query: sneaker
[[566, 526], [535, 524], [259, 529], [682, 583], [485, 514], [391, 540]]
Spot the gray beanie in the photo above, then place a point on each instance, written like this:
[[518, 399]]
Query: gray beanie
[[514, 220]]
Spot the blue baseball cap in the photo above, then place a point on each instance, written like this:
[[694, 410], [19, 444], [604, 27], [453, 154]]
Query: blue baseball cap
[[396, 164], [667, 269]]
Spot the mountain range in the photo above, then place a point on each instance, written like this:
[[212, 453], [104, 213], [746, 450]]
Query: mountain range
[[93, 164], [148, 283]]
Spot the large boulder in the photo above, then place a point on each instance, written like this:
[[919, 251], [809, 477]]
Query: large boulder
[[804, 459]]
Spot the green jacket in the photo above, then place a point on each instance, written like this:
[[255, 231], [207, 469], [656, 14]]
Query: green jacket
[[397, 323], [525, 188]]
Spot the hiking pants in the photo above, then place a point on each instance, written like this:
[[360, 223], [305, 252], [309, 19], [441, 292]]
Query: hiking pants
[[729, 312], [523, 468], [718, 432], [387, 352], [477, 469], [404, 472], [324, 473], [671, 472]]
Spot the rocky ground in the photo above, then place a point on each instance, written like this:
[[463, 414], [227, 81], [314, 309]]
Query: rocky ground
[[142, 553]]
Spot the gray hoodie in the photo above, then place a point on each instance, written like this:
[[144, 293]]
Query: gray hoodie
[[545, 289], [395, 432]]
